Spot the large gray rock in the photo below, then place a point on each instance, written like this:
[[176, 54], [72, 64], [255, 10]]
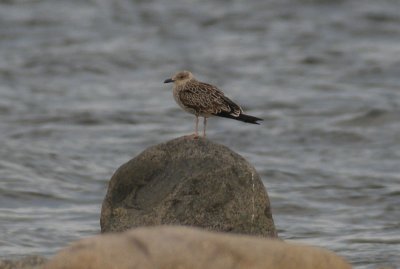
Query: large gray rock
[[29, 262], [191, 182], [188, 248]]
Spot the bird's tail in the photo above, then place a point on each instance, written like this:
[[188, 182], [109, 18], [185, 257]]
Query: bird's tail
[[241, 117], [249, 119]]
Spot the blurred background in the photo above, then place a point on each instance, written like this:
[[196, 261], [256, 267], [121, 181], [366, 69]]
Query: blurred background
[[81, 93]]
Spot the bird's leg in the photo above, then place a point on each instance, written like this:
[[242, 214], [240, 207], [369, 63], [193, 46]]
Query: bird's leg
[[196, 129], [196, 133], [205, 126]]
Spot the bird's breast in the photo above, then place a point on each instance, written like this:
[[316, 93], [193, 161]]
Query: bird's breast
[[175, 92]]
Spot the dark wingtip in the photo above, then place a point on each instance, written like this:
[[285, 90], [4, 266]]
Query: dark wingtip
[[241, 117], [249, 119]]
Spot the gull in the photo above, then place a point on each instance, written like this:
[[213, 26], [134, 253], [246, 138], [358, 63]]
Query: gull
[[205, 100]]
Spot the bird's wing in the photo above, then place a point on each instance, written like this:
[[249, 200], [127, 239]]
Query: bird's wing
[[208, 99]]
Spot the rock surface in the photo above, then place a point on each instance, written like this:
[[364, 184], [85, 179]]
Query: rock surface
[[29, 262], [192, 182], [181, 247]]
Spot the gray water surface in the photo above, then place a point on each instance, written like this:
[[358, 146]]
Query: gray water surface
[[81, 93]]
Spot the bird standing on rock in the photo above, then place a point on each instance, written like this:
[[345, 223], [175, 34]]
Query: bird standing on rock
[[205, 100]]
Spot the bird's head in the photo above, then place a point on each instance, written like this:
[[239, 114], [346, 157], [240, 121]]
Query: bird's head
[[180, 78]]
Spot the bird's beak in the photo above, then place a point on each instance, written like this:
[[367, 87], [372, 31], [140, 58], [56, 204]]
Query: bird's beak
[[169, 80]]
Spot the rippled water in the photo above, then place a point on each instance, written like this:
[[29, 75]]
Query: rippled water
[[81, 93]]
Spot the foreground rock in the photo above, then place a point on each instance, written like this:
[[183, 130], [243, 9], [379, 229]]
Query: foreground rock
[[30, 262], [189, 248], [188, 182]]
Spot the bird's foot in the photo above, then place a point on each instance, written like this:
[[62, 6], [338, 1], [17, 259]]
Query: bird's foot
[[192, 136]]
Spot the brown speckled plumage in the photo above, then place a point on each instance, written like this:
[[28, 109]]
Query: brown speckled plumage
[[205, 100]]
